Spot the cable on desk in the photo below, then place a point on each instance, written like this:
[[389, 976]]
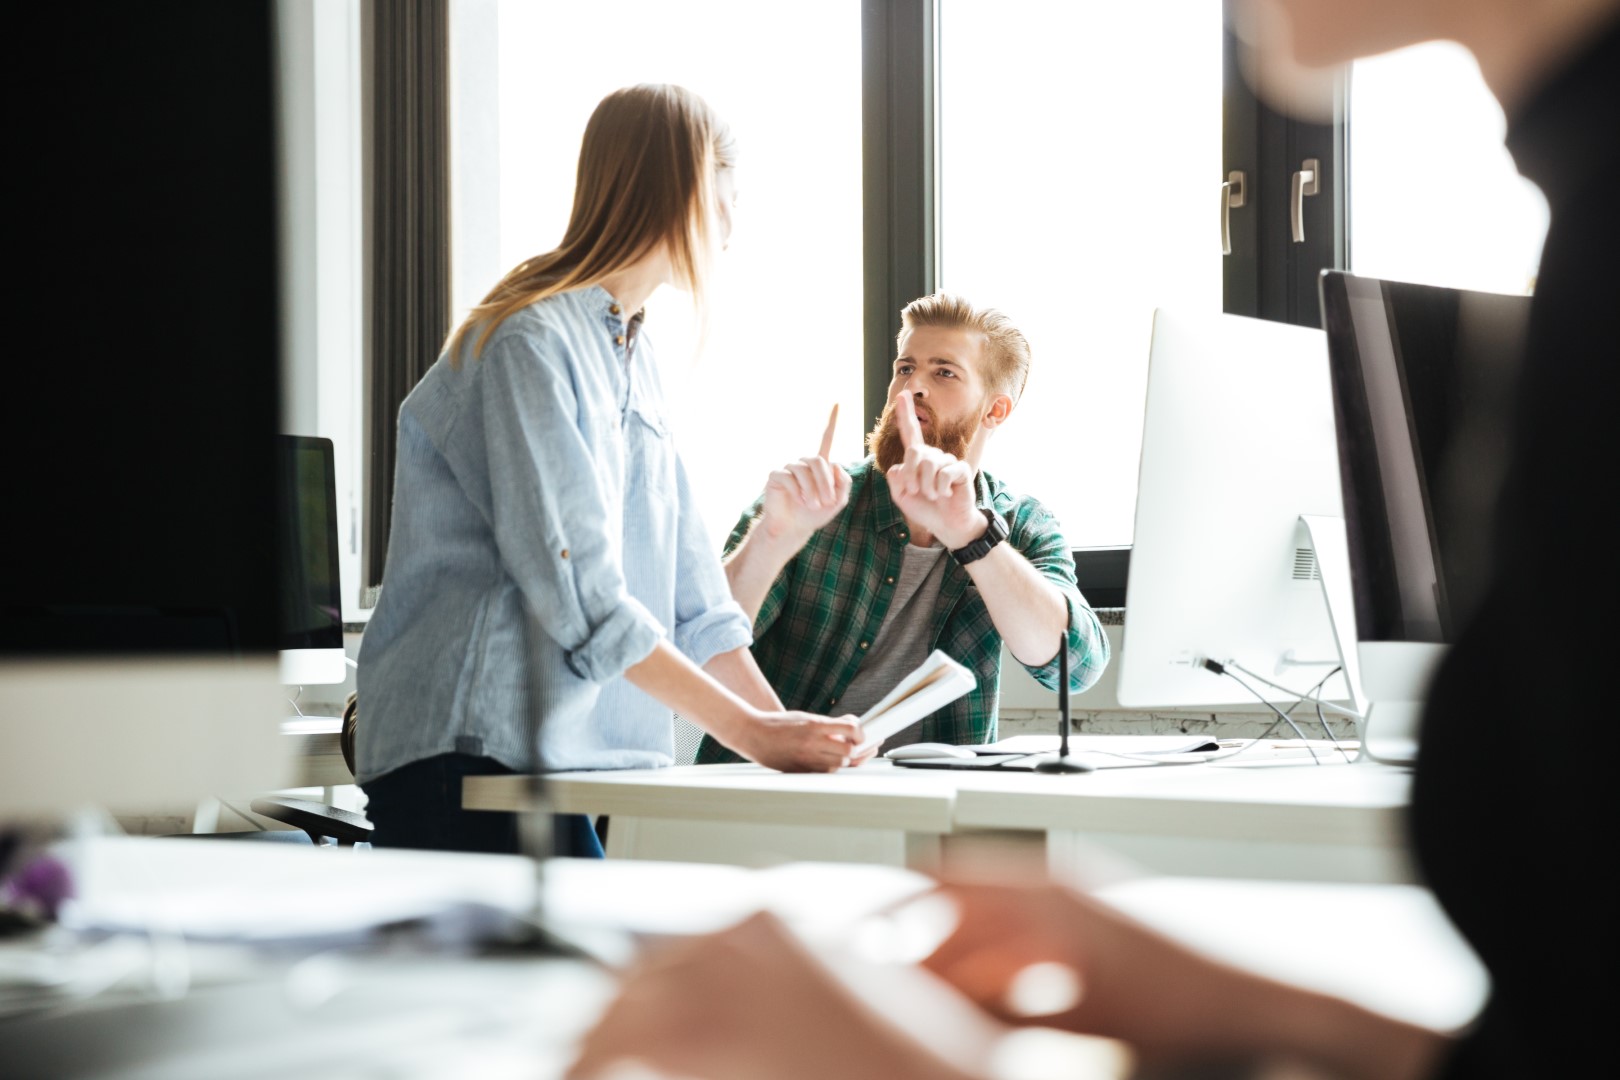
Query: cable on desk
[[1314, 694], [1320, 719], [1282, 717], [1296, 694]]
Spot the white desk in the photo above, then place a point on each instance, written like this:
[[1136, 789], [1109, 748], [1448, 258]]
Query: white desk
[[746, 815], [1278, 819], [409, 1015]]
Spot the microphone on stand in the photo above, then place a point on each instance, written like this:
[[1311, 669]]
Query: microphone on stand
[[1063, 763]]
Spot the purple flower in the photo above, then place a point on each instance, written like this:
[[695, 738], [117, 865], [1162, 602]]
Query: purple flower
[[39, 887]]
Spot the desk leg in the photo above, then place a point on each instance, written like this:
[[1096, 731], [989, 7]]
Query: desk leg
[[1005, 849], [924, 852]]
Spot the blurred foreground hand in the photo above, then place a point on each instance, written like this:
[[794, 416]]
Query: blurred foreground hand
[[753, 1002], [1046, 954]]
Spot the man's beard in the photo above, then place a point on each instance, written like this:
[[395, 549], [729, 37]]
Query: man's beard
[[953, 437]]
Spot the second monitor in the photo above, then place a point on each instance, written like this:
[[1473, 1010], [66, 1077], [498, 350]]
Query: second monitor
[[1237, 445]]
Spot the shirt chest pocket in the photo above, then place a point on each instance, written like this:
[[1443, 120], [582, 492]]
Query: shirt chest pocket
[[649, 452]]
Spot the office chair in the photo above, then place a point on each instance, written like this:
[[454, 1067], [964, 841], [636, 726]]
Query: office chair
[[316, 819], [319, 820]]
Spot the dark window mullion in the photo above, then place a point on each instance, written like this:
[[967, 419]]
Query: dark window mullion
[[1268, 275], [898, 90]]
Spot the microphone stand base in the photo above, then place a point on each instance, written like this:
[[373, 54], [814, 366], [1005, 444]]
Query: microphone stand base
[[1065, 765]]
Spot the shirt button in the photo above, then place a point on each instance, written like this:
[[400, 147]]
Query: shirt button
[[902, 536], [565, 553], [832, 702], [864, 644], [619, 339], [888, 581], [615, 309]]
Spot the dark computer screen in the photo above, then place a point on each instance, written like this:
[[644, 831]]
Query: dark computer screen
[[311, 601], [1421, 376], [138, 487]]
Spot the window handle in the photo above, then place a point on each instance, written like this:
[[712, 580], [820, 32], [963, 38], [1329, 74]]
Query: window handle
[[1232, 197], [1307, 181]]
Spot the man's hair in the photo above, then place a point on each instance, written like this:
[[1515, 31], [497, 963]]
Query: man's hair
[[1006, 350]]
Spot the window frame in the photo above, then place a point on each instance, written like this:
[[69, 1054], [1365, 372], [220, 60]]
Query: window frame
[[1265, 276]]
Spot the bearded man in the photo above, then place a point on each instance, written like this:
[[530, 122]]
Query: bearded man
[[852, 575]]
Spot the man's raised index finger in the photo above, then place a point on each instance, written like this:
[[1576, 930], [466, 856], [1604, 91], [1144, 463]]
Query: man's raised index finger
[[906, 414], [827, 436]]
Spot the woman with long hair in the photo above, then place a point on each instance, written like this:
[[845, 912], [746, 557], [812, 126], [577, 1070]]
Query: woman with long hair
[[550, 593]]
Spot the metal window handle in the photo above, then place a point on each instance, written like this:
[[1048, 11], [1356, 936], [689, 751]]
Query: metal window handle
[[1307, 181], [1232, 197]]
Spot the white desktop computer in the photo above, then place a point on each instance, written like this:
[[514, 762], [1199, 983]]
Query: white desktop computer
[[1239, 533], [311, 602]]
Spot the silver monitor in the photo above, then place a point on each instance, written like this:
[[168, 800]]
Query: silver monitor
[[1237, 446], [311, 601], [1421, 379]]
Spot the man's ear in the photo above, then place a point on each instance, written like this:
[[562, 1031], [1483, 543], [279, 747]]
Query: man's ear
[[996, 412]]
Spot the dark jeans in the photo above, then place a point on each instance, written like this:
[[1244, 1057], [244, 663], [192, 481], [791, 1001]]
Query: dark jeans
[[419, 806]]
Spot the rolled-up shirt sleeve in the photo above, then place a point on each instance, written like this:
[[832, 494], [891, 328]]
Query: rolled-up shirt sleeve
[[708, 621], [1039, 538], [550, 512]]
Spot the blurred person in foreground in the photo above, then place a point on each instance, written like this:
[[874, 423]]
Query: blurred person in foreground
[[1506, 818]]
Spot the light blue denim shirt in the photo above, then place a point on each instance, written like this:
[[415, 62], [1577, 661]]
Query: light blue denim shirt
[[544, 538]]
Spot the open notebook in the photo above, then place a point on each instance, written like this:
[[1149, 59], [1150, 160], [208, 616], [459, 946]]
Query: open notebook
[[935, 683]]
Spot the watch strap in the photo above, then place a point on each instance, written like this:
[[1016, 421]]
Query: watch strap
[[995, 533]]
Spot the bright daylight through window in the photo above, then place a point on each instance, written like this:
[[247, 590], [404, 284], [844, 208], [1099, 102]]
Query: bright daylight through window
[[1434, 196], [1074, 142], [784, 342]]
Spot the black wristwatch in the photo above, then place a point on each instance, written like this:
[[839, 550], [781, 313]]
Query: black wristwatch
[[978, 549]]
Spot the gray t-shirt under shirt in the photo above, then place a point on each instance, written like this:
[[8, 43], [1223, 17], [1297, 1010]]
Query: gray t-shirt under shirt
[[902, 641]]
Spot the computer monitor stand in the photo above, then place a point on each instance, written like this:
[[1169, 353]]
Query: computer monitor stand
[[1332, 552]]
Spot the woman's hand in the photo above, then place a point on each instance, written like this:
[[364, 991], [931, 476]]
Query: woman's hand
[[801, 742], [752, 1002]]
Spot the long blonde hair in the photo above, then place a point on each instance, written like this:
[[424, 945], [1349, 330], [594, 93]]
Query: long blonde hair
[[646, 177]]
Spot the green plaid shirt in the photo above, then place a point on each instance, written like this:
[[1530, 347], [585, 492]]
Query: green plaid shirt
[[831, 598]]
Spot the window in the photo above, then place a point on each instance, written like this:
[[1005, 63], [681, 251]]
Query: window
[[1074, 146], [1435, 197], [322, 258], [785, 335]]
